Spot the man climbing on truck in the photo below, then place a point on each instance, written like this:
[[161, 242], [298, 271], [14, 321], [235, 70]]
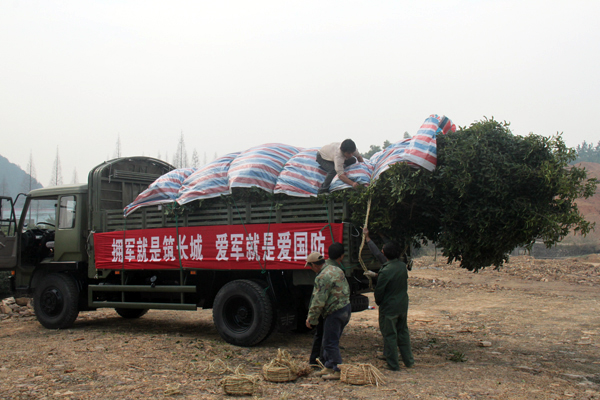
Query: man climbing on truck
[[333, 158]]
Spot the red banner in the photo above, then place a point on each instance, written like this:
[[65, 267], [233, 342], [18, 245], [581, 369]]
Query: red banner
[[254, 246]]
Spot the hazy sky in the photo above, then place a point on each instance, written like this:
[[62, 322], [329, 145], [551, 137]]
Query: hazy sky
[[234, 74]]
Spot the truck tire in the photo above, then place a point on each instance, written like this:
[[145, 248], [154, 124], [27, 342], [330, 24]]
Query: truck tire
[[55, 301], [243, 313], [264, 285], [131, 313]]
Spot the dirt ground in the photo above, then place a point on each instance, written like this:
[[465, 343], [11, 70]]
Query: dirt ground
[[528, 331]]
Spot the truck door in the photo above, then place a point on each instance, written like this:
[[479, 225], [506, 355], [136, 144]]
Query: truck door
[[67, 240], [8, 234]]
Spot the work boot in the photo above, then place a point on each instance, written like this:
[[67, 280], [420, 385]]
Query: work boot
[[334, 376], [324, 371]]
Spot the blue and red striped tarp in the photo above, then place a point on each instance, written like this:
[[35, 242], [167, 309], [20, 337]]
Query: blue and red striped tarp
[[358, 172], [301, 175], [212, 180], [422, 149], [280, 168], [163, 190], [260, 166]]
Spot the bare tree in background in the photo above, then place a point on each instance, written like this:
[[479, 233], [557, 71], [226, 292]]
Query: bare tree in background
[[74, 179], [180, 159], [28, 181], [204, 160], [56, 178], [117, 153], [195, 160]]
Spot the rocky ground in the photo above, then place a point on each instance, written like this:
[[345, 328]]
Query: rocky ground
[[528, 331]]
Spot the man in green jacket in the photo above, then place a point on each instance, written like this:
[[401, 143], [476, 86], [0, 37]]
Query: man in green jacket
[[391, 295], [331, 300]]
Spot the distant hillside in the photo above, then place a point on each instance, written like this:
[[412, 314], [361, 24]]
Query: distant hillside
[[13, 180]]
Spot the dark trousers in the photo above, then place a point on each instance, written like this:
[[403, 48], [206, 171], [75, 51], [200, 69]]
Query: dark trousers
[[333, 326], [394, 330], [317, 345], [329, 167]]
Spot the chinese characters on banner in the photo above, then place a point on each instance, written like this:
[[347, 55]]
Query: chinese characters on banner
[[255, 246]]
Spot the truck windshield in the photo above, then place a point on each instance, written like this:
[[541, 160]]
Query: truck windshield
[[42, 213]]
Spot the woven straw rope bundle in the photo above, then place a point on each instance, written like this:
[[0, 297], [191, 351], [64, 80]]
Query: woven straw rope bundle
[[283, 368], [237, 384], [240, 384], [361, 374]]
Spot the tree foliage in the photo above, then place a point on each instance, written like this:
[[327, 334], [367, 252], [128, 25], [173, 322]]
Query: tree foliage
[[29, 180], [491, 192], [195, 159], [74, 178], [588, 152], [180, 159], [56, 178], [118, 152], [374, 149]]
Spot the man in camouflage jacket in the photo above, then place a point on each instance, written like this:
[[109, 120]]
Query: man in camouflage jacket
[[331, 300]]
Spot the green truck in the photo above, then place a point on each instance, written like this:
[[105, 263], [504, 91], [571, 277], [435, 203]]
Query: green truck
[[71, 249]]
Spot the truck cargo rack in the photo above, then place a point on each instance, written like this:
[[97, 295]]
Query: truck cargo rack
[[292, 210]]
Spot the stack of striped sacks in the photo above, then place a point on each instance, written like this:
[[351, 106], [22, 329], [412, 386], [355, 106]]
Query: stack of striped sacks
[[280, 168]]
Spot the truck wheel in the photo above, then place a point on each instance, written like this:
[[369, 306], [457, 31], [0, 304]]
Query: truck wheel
[[55, 301], [243, 313], [131, 313]]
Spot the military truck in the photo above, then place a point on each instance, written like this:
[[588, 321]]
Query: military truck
[[71, 249]]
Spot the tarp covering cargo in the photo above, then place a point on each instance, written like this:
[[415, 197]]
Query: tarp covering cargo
[[294, 171], [165, 189], [208, 181]]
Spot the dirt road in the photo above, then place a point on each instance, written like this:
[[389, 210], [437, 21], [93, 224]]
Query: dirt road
[[529, 331]]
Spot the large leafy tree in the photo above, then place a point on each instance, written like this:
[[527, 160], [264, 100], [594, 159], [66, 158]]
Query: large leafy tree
[[491, 192]]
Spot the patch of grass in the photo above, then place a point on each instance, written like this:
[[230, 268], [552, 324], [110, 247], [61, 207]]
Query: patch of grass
[[457, 356]]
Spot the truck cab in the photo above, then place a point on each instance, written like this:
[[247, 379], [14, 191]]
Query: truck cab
[[49, 235], [46, 238]]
